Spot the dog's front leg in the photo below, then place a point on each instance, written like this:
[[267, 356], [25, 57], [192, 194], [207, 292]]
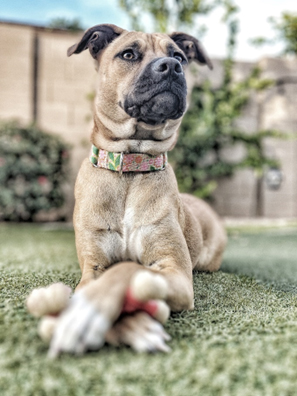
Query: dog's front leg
[[97, 306], [166, 252], [94, 309], [91, 256]]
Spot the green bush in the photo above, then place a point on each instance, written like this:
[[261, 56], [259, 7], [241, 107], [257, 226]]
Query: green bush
[[209, 127], [33, 165]]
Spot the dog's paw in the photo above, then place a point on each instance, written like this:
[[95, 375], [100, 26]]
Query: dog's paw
[[49, 300], [148, 285], [79, 328], [47, 327], [139, 331]]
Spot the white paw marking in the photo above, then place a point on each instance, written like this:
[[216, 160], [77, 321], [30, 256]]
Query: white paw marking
[[80, 327]]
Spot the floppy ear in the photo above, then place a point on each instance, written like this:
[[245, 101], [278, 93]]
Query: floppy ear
[[96, 39], [191, 47]]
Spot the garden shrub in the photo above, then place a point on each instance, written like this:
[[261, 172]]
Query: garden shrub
[[33, 166]]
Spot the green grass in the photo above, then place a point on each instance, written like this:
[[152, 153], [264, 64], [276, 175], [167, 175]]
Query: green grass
[[240, 339], [269, 256]]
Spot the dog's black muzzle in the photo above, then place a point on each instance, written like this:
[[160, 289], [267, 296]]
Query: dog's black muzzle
[[159, 94]]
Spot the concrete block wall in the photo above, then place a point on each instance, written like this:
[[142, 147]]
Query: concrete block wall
[[62, 107], [16, 72], [273, 109], [279, 111]]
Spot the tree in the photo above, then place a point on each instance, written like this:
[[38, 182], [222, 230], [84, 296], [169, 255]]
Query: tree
[[166, 14], [73, 25], [286, 32]]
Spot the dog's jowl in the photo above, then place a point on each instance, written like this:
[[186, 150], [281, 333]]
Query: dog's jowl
[[131, 223]]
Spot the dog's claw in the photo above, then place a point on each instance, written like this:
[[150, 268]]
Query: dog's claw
[[151, 343], [139, 331]]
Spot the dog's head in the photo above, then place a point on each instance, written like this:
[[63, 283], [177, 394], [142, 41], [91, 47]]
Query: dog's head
[[142, 90]]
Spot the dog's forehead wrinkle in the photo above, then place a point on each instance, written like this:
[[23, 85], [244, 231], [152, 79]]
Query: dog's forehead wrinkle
[[172, 47], [163, 42], [152, 41], [137, 44], [146, 41], [131, 38]]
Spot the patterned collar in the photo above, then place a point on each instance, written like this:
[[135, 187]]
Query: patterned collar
[[133, 162]]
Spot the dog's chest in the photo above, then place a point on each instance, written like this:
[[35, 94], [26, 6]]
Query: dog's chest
[[123, 212], [132, 245], [126, 241]]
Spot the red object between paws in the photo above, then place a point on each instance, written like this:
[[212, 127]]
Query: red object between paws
[[131, 304]]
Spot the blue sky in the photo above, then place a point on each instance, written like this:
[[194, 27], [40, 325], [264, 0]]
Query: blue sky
[[253, 17], [90, 12]]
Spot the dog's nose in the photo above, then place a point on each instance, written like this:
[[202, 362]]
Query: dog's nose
[[167, 66]]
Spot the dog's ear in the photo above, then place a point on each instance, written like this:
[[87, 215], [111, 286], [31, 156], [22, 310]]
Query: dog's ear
[[192, 48], [96, 39]]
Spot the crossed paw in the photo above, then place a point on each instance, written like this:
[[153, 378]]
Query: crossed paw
[[74, 325]]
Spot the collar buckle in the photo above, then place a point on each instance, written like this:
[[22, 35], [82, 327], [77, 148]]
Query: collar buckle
[[121, 164], [164, 162]]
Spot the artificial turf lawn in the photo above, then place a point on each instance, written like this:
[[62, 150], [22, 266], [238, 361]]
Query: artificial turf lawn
[[241, 339]]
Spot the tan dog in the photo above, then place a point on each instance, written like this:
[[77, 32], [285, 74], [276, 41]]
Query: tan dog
[[135, 217]]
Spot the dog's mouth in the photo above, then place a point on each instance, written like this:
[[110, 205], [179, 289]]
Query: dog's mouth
[[156, 103], [158, 109]]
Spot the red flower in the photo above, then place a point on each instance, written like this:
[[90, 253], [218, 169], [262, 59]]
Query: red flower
[[42, 180]]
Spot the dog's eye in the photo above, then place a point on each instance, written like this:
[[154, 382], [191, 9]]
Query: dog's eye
[[178, 57], [128, 55]]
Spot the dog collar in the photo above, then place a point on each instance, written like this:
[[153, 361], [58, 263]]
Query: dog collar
[[133, 162]]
